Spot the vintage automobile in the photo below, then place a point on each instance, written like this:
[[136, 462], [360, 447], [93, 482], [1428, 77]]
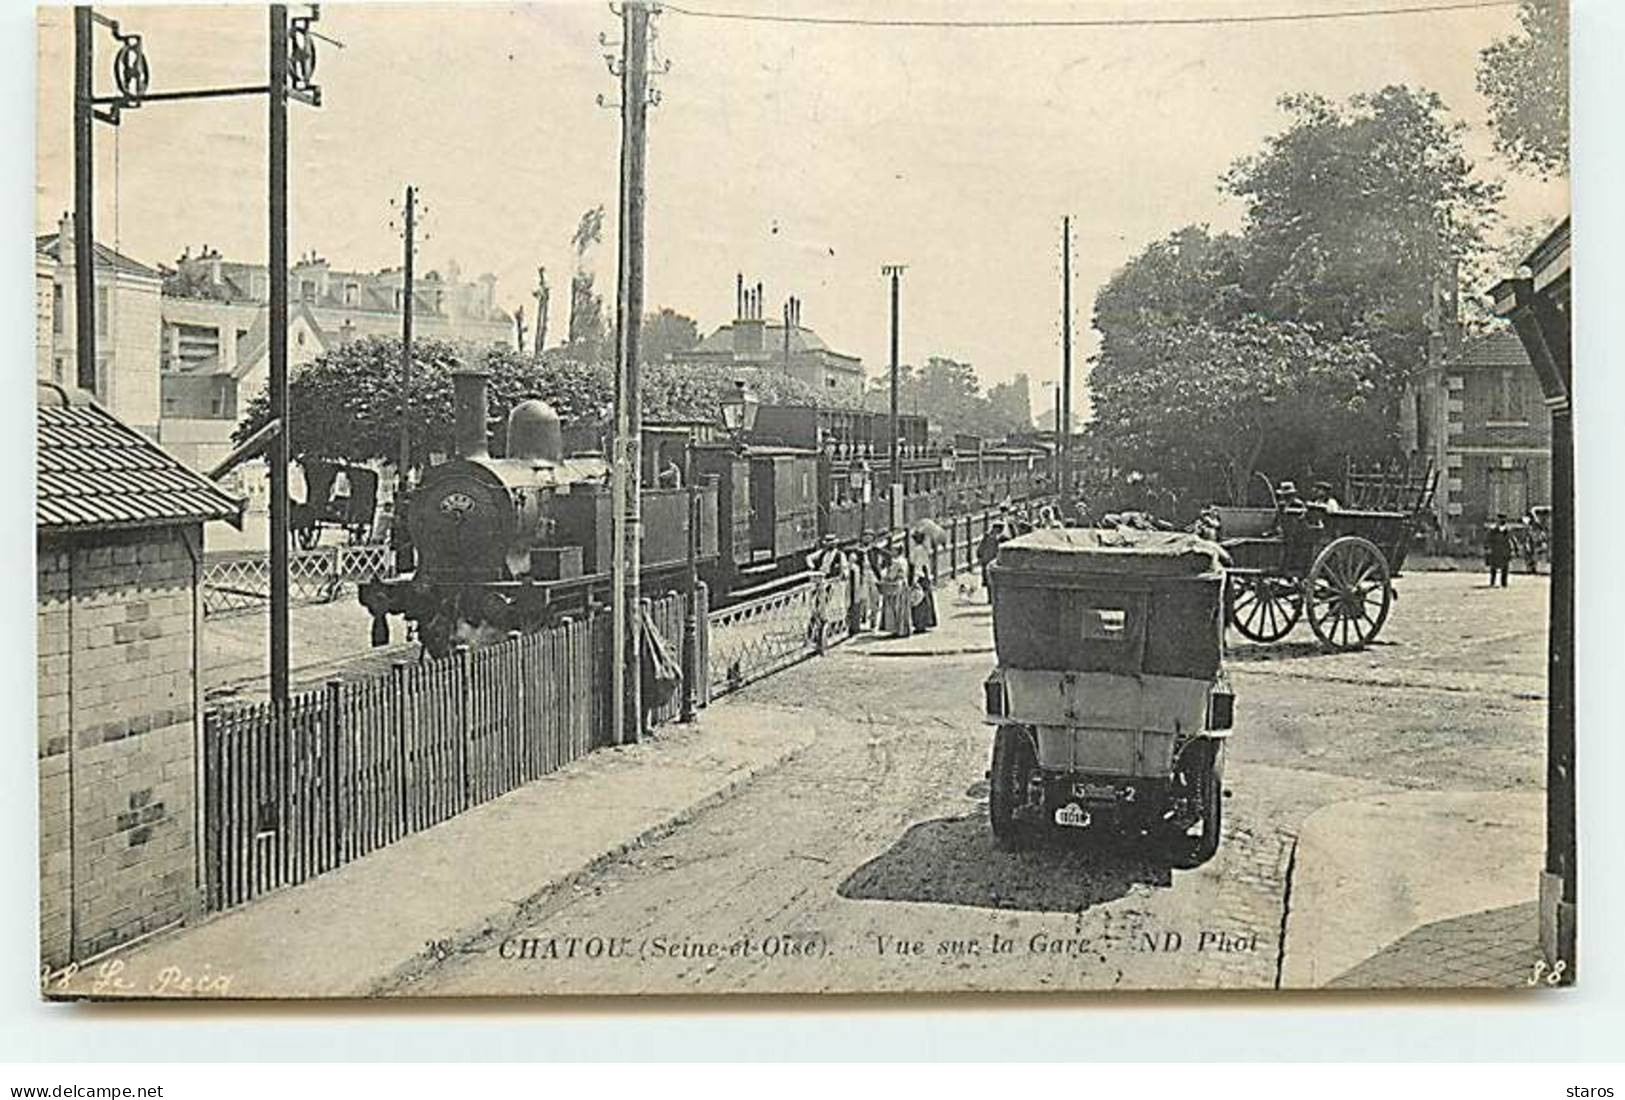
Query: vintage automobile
[[1110, 698]]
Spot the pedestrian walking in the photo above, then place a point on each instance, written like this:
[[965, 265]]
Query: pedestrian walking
[[988, 549], [924, 596], [1498, 549]]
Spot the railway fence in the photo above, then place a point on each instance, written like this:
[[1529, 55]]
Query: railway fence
[[353, 766], [764, 635], [241, 583]]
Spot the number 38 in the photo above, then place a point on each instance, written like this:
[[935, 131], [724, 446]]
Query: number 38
[[1541, 974]]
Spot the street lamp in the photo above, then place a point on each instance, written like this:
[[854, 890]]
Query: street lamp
[[739, 410]]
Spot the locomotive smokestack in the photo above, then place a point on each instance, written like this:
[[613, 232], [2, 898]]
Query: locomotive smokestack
[[470, 399]]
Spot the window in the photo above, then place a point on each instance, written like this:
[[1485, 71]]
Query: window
[[60, 368], [58, 312], [299, 338], [350, 291], [307, 289], [104, 310], [1506, 401], [1508, 491]]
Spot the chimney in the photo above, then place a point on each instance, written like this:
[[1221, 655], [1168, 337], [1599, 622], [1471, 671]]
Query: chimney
[[471, 403], [749, 336], [739, 296]]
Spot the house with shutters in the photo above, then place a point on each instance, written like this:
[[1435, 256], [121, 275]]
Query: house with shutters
[[1497, 436]]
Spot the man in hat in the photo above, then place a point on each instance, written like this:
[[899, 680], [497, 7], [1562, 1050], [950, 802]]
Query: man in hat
[[1286, 494], [1321, 494], [1498, 549]]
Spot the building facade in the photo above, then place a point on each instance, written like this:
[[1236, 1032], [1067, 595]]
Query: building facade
[[128, 305], [787, 345], [1496, 436], [215, 354], [119, 530]]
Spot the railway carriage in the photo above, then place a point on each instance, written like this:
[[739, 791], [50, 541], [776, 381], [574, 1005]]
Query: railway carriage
[[512, 542]]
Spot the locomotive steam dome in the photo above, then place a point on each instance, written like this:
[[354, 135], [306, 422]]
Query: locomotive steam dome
[[534, 433]]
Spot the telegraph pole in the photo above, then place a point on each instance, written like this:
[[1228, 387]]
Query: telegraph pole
[[895, 272], [84, 240], [1063, 423], [627, 620], [406, 345], [278, 204]]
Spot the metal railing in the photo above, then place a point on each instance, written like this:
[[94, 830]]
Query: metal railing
[[242, 583]]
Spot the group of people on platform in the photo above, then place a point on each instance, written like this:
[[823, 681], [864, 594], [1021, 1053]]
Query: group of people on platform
[[889, 585]]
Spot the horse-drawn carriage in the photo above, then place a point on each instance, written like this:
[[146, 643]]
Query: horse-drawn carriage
[[336, 496], [1328, 560]]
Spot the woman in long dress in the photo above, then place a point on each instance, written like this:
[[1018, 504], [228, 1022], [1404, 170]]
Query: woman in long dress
[[923, 599], [896, 617], [865, 593]]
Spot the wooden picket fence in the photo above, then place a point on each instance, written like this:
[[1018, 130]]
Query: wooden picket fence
[[354, 766]]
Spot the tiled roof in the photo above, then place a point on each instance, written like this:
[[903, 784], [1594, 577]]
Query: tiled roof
[[96, 472], [50, 245], [1500, 348]]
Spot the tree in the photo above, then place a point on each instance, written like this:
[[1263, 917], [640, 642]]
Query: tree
[[949, 394], [345, 405], [1204, 404], [1525, 77], [1356, 213], [589, 334], [1010, 406], [667, 333]]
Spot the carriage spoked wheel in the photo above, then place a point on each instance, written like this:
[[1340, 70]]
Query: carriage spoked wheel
[[1348, 593], [1264, 608]]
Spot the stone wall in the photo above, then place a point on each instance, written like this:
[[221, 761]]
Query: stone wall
[[117, 616]]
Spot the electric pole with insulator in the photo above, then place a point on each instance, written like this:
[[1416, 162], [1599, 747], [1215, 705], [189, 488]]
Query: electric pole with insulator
[[626, 625], [408, 235], [1064, 416]]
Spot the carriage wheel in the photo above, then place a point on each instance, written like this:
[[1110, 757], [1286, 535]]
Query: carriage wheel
[[1348, 593], [1264, 609]]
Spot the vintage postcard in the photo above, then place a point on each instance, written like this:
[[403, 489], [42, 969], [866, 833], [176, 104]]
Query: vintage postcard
[[829, 496]]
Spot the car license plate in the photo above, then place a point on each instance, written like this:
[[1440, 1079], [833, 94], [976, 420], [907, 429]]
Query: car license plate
[[1104, 792], [1073, 815]]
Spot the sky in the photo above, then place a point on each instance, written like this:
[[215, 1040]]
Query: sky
[[803, 156]]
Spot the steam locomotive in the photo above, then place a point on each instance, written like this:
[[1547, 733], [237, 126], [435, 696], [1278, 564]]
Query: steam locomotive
[[513, 542]]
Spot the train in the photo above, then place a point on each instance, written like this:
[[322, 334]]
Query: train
[[512, 541]]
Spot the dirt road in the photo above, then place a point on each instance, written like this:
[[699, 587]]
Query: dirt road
[[866, 862]]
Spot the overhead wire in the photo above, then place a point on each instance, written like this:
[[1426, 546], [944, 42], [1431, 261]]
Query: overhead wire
[[1101, 22]]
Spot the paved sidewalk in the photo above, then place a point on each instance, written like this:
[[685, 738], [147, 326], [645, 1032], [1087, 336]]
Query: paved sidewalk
[[348, 932], [1494, 949], [1417, 889]]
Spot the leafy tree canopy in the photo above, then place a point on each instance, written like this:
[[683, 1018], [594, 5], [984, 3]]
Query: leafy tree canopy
[[1525, 77], [346, 404], [1205, 404], [1357, 214], [949, 394], [666, 333]]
